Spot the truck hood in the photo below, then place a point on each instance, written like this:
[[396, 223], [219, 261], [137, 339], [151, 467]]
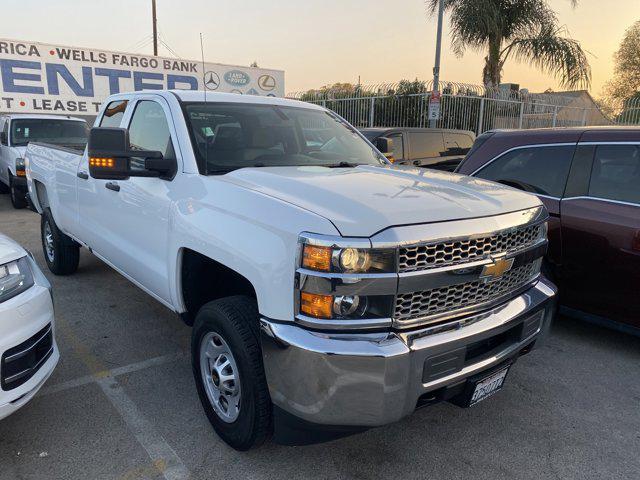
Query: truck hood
[[364, 200]]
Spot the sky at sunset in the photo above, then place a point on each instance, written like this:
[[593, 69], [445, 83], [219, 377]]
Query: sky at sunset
[[316, 42]]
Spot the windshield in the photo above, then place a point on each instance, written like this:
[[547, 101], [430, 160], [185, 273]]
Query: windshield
[[57, 132], [230, 136], [371, 134]]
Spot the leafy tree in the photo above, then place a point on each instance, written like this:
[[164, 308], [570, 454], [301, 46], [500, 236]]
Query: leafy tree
[[525, 30], [627, 64]]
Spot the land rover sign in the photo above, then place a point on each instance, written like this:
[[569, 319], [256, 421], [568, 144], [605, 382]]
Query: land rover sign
[[44, 78]]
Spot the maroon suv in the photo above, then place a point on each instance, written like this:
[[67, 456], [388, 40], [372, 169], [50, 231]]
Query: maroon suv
[[589, 180]]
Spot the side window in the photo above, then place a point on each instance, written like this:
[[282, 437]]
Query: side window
[[542, 170], [113, 114], [5, 130], [616, 173], [426, 144], [458, 143], [149, 130], [398, 147]]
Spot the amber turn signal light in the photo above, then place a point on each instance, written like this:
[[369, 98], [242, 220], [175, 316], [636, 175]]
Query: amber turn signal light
[[318, 306], [101, 162], [317, 258], [21, 173]]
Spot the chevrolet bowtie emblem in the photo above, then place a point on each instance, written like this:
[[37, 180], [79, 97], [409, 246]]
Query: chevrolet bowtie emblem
[[497, 268]]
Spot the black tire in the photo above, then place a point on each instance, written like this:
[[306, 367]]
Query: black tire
[[64, 256], [18, 196], [235, 319]]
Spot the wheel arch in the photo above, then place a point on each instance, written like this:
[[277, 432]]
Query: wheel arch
[[39, 198], [202, 279]]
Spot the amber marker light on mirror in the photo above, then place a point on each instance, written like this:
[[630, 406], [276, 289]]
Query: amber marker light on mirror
[[317, 258], [318, 306], [101, 162]]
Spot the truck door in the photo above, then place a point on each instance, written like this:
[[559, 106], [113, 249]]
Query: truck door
[[601, 235], [131, 216]]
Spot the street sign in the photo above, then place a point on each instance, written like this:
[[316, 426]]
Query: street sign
[[434, 106]]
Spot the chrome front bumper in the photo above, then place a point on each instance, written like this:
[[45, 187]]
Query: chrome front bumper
[[371, 379]]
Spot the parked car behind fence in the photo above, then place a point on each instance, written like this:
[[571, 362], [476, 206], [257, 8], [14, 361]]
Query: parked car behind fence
[[438, 148]]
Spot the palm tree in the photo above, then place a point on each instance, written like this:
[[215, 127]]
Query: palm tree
[[525, 30]]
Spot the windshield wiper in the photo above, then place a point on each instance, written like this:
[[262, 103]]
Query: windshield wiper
[[342, 165]]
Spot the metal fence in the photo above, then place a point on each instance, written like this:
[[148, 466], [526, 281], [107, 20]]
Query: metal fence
[[466, 107]]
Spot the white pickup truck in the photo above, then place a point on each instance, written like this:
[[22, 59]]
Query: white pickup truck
[[328, 290], [16, 131]]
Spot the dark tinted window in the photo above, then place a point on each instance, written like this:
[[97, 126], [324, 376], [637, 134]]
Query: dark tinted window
[[5, 129], [57, 132], [426, 144], [398, 147], [371, 135], [113, 114], [542, 170], [149, 130], [616, 173]]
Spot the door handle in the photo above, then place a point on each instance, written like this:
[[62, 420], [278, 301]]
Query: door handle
[[83, 175], [112, 186]]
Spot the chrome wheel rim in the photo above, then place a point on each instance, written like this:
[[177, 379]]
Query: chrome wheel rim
[[220, 376], [48, 242]]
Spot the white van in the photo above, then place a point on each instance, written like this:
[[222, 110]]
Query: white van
[[16, 131]]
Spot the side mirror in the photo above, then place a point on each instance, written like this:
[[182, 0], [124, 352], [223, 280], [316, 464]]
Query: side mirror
[[3, 138], [110, 157], [385, 146]]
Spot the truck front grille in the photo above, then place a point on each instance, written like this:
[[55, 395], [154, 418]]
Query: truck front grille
[[458, 251], [453, 298]]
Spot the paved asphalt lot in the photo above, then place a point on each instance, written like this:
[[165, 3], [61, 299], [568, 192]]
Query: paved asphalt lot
[[123, 393]]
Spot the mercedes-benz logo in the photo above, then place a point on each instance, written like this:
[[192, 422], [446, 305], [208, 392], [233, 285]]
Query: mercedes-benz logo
[[211, 80]]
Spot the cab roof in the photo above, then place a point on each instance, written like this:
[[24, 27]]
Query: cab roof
[[220, 97], [37, 116]]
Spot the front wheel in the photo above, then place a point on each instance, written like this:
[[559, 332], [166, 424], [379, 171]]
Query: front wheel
[[229, 373], [18, 195], [61, 253]]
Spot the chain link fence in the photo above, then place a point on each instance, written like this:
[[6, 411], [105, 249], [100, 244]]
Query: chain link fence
[[466, 107]]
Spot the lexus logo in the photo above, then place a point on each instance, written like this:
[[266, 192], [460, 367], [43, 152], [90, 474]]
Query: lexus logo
[[267, 83], [211, 80]]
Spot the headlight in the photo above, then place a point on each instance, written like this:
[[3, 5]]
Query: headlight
[[15, 278], [348, 260], [354, 280]]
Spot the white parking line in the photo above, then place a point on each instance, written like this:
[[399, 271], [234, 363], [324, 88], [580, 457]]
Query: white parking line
[[148, 437], [164, 459], [133, 367]]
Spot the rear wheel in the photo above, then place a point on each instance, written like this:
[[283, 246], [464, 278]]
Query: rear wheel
[[18, 195], [61, 253], [228, 370]]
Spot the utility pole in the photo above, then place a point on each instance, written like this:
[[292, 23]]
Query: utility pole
[[436, 67], [155, 28]]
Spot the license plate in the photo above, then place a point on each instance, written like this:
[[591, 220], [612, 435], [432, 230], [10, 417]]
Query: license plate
[[488, 386]]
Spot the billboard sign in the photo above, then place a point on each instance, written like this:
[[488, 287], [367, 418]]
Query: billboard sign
[[45, 78]]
